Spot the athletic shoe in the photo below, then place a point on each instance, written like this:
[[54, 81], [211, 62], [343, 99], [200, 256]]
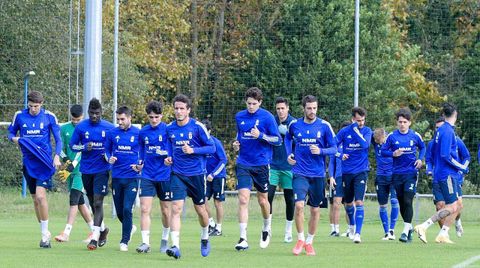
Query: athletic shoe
[[215, 232], [346, 233], [45, 241], [123, 247], [204, 247], [410, 236], [92, 245], [391, 235], [386, 237], [288, 238], [63, 237], [356, 239], [163, 245], [351, 232], [265, 239], [334, 234], [443, 239], [298, 247], [241, 245], [211, 229], [459, 230], [309, 250], [134, 229], [422, 233], [403, 238], [89, 237], [174, 252], [102, 239], [143, 248]]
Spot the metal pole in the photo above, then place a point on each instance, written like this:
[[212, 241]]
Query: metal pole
[[25, 84], [78, 50], [357, 44], [70, 58], [115, 60]]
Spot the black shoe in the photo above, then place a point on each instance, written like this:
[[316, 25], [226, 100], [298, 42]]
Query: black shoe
[[174, 252], [215, 232], [211, 229], [45, 244], [102, 239], [92, 245], [334, 233], [410, 236]]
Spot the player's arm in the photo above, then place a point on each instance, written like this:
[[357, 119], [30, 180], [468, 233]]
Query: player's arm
[[109, 146], [141, 151], [208, 143], [421, 146], [14, 128], [386, 150], [273, 137], [363, 140], [463, 152], [222, 157], [331, 148], [445, 151], [429, 158], [75, 142]]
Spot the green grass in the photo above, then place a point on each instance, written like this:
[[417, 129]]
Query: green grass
[[19, 233]]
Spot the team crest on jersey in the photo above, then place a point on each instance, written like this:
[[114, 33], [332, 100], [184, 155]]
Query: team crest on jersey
[[308, 131], [87, 134], [146, 140], [41, 125], [190, 135], [181, 135], [411, 142], [117, 138], [319, 134], [103, 133], [33, 125], [160, 138], [132, 138], [257, 122]]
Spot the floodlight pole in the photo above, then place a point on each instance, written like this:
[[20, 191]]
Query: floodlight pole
[[26, 77], [357, 44]]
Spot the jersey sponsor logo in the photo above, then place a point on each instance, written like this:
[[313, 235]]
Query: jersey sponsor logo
[[33, 131], [307, 140], [405, 149], [247, 134], [97, 144], [182, 142], [124, 147], [132, 138], [354, 145]]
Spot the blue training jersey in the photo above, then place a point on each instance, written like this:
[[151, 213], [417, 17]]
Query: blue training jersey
[[196, 136], [445, 154], [153, 151], [429, 158], [384, 163], [409, 143], [356, 142], [335, 163], [86, 132], [256, 152], [279, 159], [302, 135], [123, 144], [217, 162]]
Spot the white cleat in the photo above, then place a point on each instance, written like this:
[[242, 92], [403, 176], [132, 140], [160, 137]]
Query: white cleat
[[351, 232], [241, 245], [443, 239], [459, 230], [422, 233], [265, 239], [288, 238], [123, 247], [356, 239]]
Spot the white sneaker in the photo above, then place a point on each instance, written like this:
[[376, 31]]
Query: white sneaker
[[351, 232], [459, 230], [385, 237], [391, 235], [356, 239], [288, 238], [265, 239], [123, 247], [241, 245], [134, 229]]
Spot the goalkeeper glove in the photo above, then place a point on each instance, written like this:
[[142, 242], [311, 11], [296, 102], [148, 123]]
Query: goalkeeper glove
[[63, 175]]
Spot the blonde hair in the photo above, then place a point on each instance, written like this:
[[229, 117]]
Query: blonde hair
[[379, 135]]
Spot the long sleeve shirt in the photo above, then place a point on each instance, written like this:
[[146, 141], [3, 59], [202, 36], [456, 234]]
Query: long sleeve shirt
[[123, 144], [153, 151], [408, 143], [217, 162], [356, 142], [384, 163], [279, 159]]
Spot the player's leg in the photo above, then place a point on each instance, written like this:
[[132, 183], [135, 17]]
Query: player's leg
[[261, 183], [164, 193], [208, 196], [458, 220], [74, 197], [42, 204], [300, 189], [382, 197], [316, 194], [360, 187], [219, 198], [286, 182], [178, 193], [349, 191], [393, 212], [87, 217], [130, 190], [272, 188], [244, 184]]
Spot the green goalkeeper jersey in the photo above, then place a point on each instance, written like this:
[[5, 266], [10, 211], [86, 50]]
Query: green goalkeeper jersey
[[75, 179]]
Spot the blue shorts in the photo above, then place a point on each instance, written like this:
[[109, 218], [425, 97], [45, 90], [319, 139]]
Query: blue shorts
[[355, 186], [149, 188], [383, 180], [459, 189], [445, 191], [216, 188], [258, 175], [311, 187], [383, 192], [182, 186], [338, 191], [32, 182], [96, 184], [405, 183]]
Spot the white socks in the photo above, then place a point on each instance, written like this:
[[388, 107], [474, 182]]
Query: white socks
[[44, 227], [68, 229], [175, 235], [146, 237], [243, 230]]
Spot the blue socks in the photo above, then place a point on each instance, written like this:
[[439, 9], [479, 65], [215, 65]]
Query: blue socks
[[359, 213], [394, 213], [384, 218], [350, 210]]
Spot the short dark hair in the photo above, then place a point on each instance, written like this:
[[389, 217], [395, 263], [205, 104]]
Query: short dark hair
[[124, 110], [307, 99], [94, 104], [345, 123], [405, 113], [155, 107], [254, 93], [76, 110], [184, 99], [440, 119], [207, 124], [281, 100], [35, 96], [358, 110], [448, 109]]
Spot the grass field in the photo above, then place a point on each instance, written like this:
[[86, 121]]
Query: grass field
[[19, 233]]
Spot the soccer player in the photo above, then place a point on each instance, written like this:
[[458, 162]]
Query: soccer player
[[313, 139], [355, 140], [216, 176], [402, 145], [35, 126], [257, 132], [89, 137], [155, 178], [73, 177], [121, 150], [446, 170], [280, 171], [188, 144], [384, 186]]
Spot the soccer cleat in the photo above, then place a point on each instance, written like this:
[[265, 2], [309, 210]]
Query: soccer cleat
[[443, 239], [241, 245], [102, 239], [211, 229], [346, 233], [143, 248], [204, 247], [391, 235], [92, 245], [89, 238], [351, 232], [386, 237], [298, 247], [174, 252], [410, 236], [288, 238], [215, 232], [309, 250], [356, 239], [403, 238], [459, 230], [422, 233], [265, 239], [45, 241], [163, 245], [123, 247], [63, 237], [334, 234]]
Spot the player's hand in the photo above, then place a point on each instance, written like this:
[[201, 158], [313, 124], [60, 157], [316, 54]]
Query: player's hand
[[345, 156], [168, 161], [112, 159], [418, 164], [69, 166], [332, 183], [236, 146], [63, 175], [56, 162], [186, 149], [282, 129], [397, 153], [209, 177], [90, 146], [255, 132], [314, 149], [137, 168], [291, 159], [15, 140]]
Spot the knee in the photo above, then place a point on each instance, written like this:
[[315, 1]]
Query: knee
[[358, 203], [176, 209], [299, 207], [262, 201], [394, 202], [147, 209], [242, 200]]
